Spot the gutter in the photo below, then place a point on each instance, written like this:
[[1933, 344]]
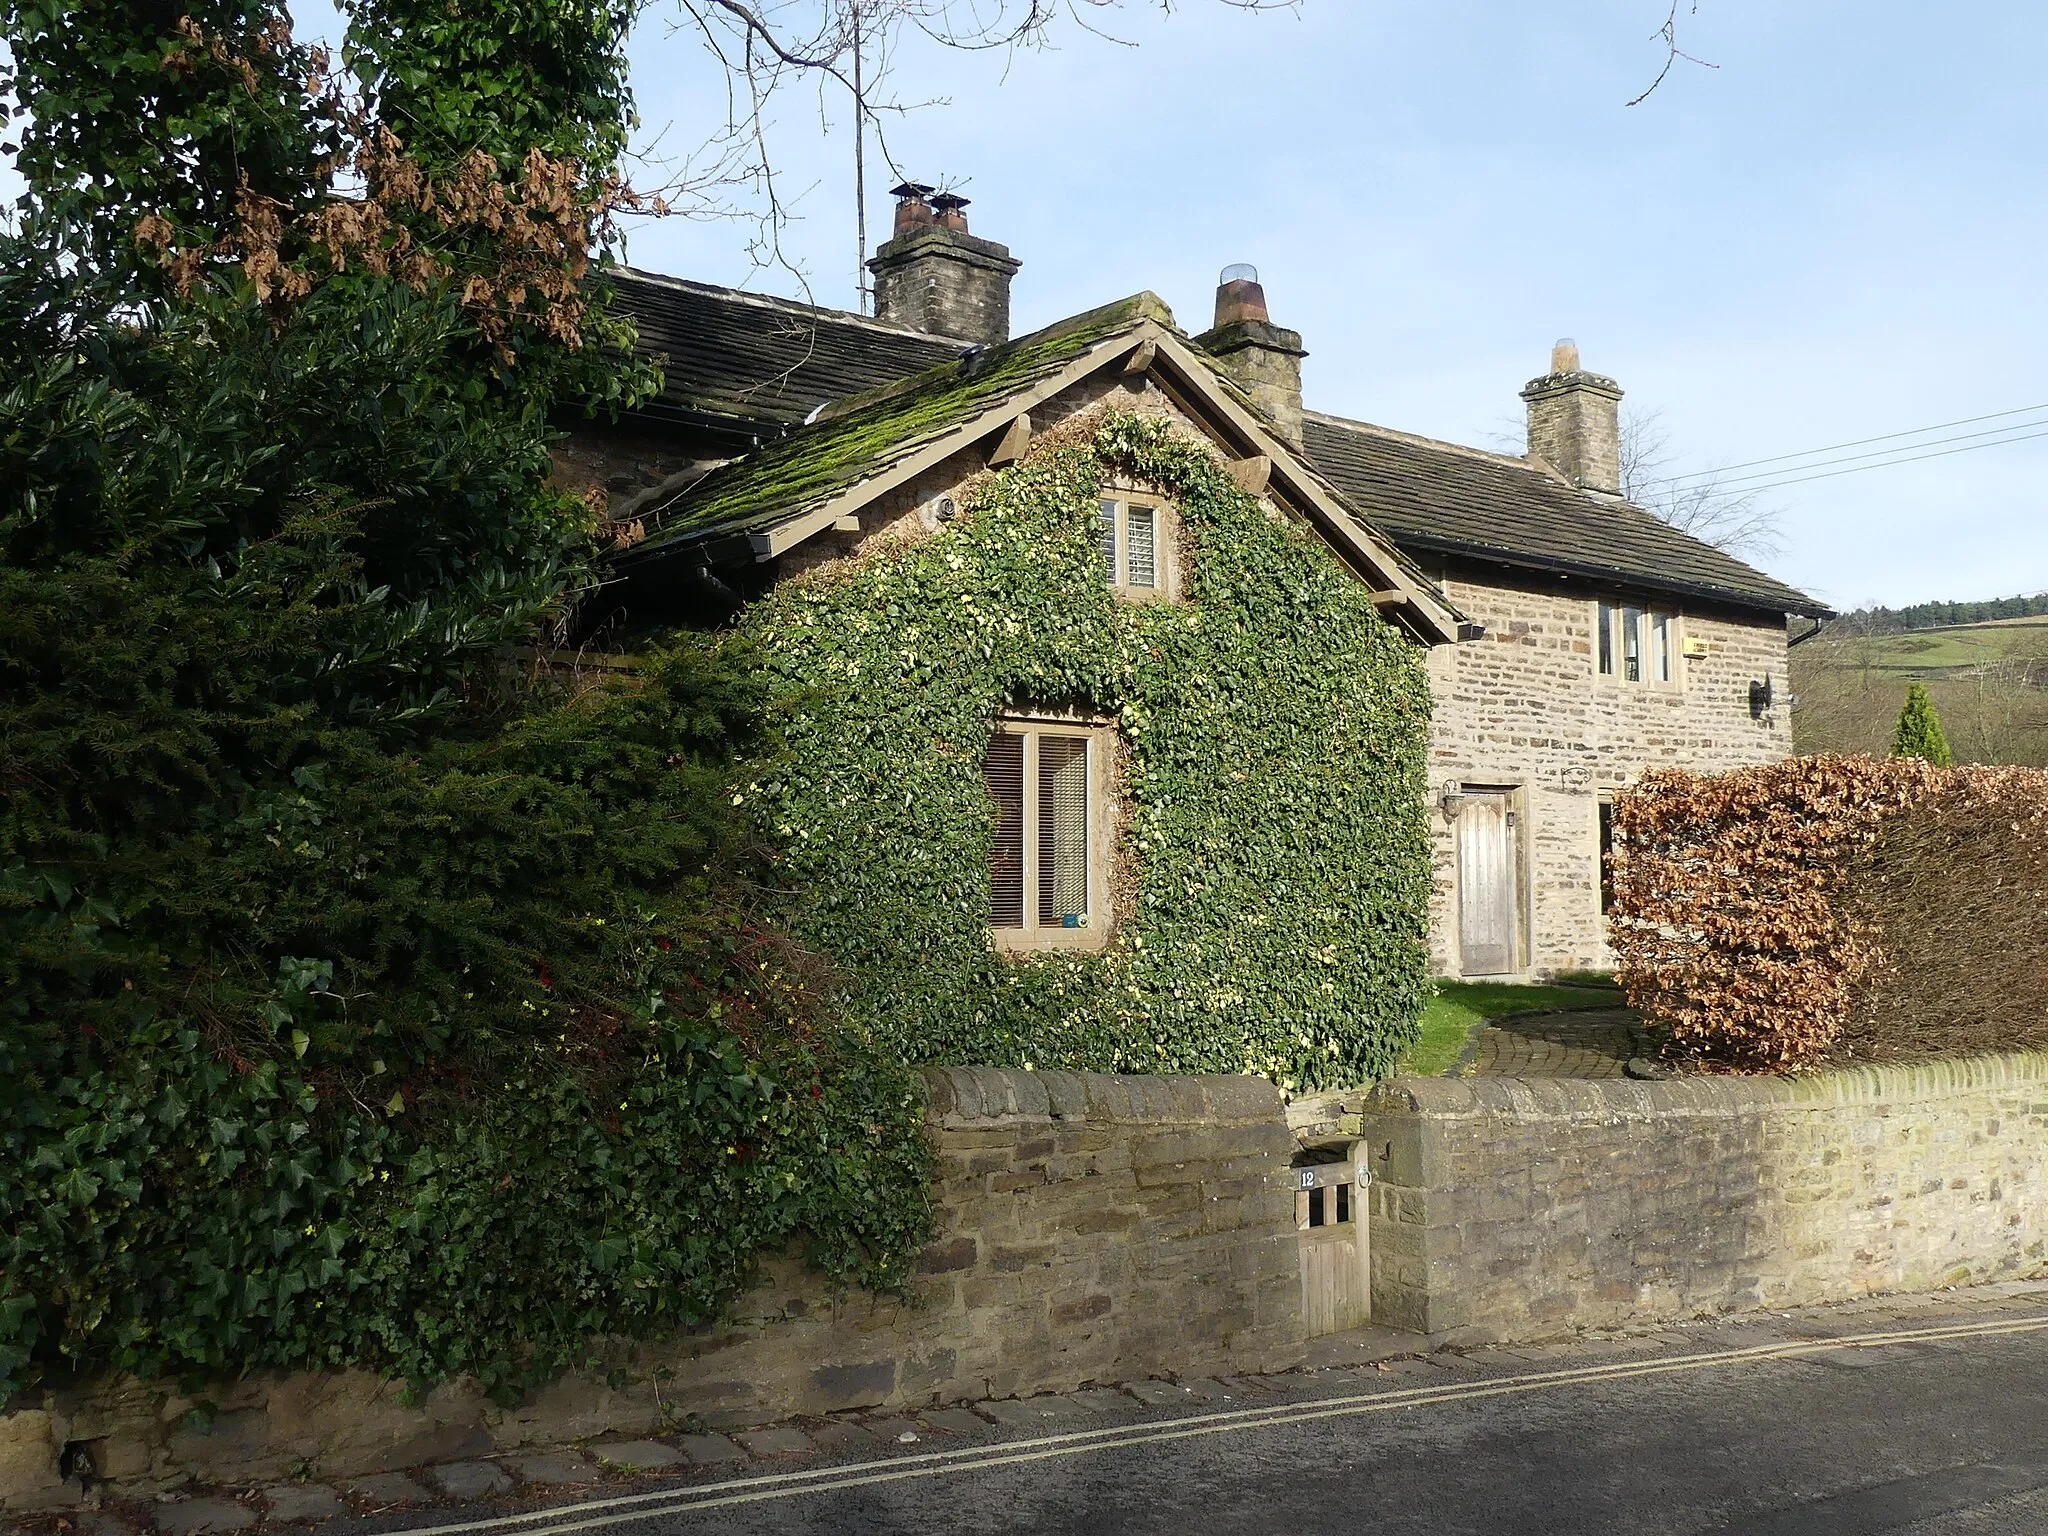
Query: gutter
[[1499, 556]]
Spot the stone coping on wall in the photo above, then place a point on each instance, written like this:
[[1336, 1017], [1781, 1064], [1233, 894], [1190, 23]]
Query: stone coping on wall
[[960, 1096], [1609, 1101]]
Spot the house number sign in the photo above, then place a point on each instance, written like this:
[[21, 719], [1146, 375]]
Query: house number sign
[[1324, 1174]]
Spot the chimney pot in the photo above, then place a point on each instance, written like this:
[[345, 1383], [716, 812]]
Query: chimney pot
[[1239, 296], [948, 206], [1564, 356], [912, 211]]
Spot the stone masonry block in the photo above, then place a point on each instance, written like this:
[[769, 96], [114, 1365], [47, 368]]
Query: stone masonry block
[[28, 1454]]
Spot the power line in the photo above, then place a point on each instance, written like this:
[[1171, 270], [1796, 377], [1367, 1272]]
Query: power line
[[1884, 437], [1888, 454], [1858, 469]]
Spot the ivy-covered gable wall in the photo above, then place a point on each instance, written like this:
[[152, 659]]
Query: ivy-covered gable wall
[[1273, 865]]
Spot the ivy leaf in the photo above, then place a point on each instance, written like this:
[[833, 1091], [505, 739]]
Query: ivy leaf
[[78, 1186]]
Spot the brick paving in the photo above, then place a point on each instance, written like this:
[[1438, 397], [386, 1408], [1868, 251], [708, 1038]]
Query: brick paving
[[1580, 1042]]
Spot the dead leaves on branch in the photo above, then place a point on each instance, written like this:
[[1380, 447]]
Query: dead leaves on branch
[[1765, 911], [518, 242]]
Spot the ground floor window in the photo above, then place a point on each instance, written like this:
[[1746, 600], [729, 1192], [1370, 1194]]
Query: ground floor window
[[1049, 857]]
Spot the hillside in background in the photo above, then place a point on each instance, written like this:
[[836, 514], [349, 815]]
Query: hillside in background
[[1988, 679], [1886, 621]]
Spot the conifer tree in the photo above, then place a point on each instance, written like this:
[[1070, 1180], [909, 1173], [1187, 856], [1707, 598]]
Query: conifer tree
[[1920, 733]]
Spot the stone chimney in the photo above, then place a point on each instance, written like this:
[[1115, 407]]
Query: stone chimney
[[1261, 359], [934, 276], [1575, 421]]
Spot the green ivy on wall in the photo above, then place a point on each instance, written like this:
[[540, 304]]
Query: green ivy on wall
[[1275, 848]]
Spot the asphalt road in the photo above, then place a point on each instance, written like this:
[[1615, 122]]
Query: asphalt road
[[1936, 1423]]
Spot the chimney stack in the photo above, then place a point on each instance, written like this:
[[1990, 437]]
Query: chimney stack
[[1575, 421], [933, 276], [1260, 357]]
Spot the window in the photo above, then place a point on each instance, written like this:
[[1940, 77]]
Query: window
[[1135, 549], [1048, 876], [1640, 639]]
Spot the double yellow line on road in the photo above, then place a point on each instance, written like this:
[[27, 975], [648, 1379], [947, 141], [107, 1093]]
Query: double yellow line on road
[[598, 1514]]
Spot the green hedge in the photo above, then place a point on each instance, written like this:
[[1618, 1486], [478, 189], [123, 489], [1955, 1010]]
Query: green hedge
[[1275, 729]]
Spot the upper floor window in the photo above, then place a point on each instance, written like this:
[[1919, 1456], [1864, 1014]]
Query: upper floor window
[[1136, 546], [1049, 860], [1637, 645]]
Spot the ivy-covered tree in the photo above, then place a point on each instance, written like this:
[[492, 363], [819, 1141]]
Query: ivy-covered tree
[[355, 984], [1920, 733]]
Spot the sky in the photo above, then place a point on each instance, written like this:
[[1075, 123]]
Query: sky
[[1833, 233]]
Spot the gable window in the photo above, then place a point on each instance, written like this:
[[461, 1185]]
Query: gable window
[[1636, 645], [1048, 861], [1135, 548]]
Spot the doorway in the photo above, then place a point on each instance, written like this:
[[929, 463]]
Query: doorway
[[1489, 894]]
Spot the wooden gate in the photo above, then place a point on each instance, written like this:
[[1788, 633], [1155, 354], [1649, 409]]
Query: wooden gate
[[1330, 1217], [1488, 911]]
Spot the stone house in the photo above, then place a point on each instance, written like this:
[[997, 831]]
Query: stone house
[[1574, 640]]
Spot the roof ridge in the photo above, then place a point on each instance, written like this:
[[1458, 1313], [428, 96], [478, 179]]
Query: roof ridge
[[1489, 455], [794, 307], [1127, 313]]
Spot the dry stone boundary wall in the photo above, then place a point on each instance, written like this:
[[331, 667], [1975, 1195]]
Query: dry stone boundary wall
[[1093, 1228], [1100, 1229], [1506, 1209]]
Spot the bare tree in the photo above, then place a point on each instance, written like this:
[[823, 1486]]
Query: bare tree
[[1668, 36], [1738, 521], [845, 49]]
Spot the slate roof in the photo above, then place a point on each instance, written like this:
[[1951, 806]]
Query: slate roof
[[1445, 499], [754, 365], [863, 436]]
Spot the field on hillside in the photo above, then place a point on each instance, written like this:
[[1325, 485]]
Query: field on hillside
[[1930, 653], [1989, 682]]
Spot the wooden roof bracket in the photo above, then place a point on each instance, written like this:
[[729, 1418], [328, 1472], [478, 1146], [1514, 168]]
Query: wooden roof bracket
[[1015, 443], [1251, 473]]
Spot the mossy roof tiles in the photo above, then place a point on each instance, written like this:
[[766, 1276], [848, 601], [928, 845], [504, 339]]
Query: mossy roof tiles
[[1443, 499], [866, 434]]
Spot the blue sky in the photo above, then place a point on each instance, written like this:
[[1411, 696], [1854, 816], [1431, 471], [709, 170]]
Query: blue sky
[[1834, 234]]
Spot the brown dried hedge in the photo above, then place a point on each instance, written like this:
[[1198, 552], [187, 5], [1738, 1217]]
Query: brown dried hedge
[[1830, 907]]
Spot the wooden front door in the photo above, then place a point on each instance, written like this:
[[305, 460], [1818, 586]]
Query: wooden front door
[[1488, 911]]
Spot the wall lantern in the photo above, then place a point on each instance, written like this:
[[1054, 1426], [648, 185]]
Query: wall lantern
[[1760, 699], [1452, 800]]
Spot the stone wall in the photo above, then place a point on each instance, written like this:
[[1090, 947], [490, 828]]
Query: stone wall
[[1091, 1229], [1512, 1210], [1525, 709]]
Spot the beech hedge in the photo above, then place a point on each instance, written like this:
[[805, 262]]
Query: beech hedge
[[1835, 908]]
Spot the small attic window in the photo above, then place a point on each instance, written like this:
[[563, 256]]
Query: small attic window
[[1136, 536]]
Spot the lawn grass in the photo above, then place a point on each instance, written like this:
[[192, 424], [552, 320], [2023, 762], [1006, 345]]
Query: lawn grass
[[1459, 1007]]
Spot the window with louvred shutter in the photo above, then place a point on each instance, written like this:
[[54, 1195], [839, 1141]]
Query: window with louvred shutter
[[1051, 834], [1006, 849], [1137, 540]]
